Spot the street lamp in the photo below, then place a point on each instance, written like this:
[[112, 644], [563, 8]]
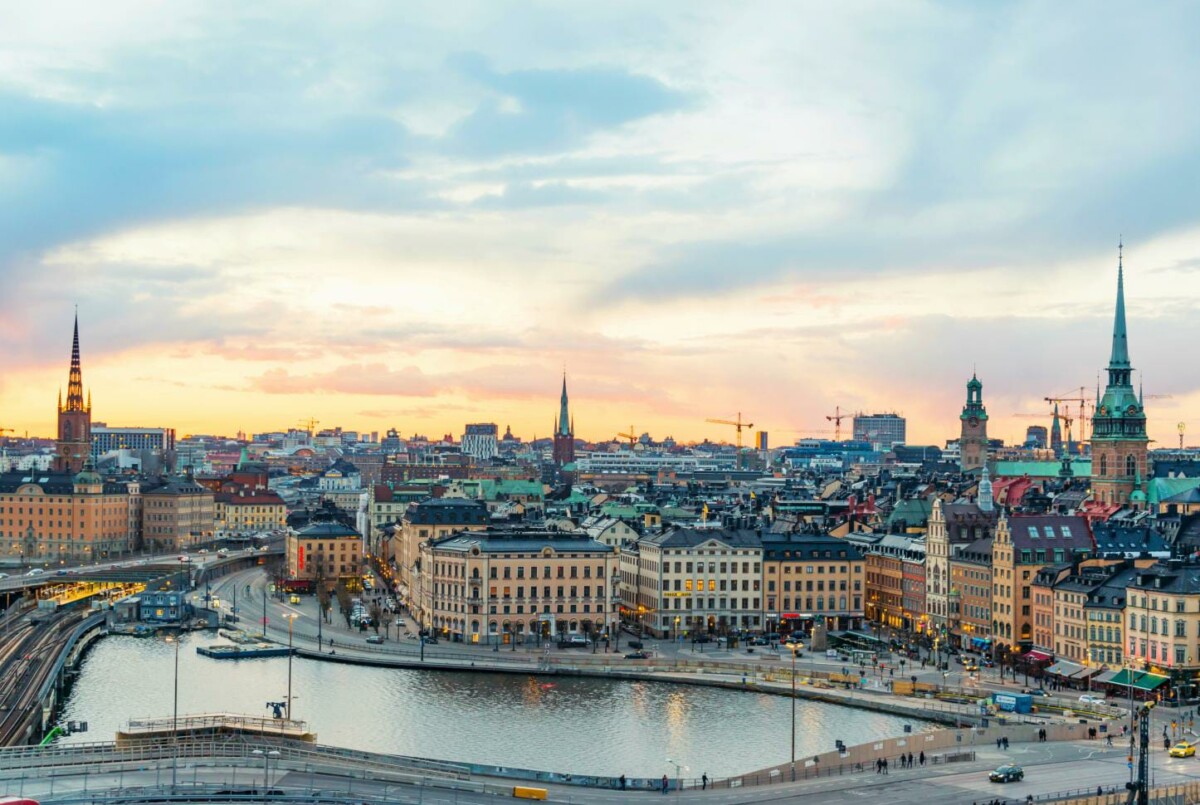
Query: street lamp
[[794, 714], [266, 756], [678, 777], [175, 716], [291, 617]]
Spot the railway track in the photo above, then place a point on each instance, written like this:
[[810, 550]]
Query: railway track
[[25, 662]]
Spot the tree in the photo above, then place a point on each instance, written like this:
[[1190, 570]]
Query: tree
[[343, 596], [376, 616], [387, 624]]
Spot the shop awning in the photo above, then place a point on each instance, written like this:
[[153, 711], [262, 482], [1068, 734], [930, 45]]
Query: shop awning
[[1085, 673], [1105, 677], [1037, 656], [1141, 680], [1064, 668]]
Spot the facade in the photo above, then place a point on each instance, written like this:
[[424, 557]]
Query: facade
[[342, 476], [1119, 425], [177, 514], [74, 439], [1023, 545], [516, 584], [433, 518], [1162, 620], [154, 440], [895, 582], [480, 440], [971, 595], [324, 553], [62, 518], [564, 432], [880, 430], [973, 441], [822, 578], [685, 582], [952, 526], [248, 511]]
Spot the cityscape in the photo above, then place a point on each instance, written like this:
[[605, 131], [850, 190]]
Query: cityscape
[[336, 501]]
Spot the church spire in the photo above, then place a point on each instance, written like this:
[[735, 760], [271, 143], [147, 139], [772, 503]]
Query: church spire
[[565, 425], [1120, 343], [75, 380]]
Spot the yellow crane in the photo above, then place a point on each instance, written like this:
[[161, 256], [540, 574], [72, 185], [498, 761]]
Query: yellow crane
[[836, 419], [309, 425], [630, 436], [737, 423]]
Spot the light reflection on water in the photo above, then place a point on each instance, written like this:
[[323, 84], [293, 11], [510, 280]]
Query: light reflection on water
[[582, 726]]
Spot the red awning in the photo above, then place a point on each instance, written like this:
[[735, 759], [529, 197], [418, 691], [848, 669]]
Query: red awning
[[1038, 656]]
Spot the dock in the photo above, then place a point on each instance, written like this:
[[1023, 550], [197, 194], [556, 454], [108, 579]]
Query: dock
[[207, 725], [243, 652]]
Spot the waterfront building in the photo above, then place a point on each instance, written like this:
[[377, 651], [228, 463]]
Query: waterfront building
[[810, 579], [324, 553], [433, 518], [1162, 618], [886, 585], [564, 432], [60, 517], [1119, 425], [177, 514], [1024, 544], [970, 596], [159, 441], [951, 527], [73, 445], [973, 441], [501, 584], [480, 440], [684, 582], [881, 431]]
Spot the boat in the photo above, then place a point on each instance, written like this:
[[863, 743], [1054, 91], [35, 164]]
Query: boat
[[223, 652]]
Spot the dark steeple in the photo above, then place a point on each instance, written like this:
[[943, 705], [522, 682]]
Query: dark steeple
[[75, 380], [565, 425], [1120, 340]]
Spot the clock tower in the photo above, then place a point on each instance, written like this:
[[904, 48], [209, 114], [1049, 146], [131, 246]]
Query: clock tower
[[973, 441], [1119, 425]]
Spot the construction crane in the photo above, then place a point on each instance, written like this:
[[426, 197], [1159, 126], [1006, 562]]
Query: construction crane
[[738, 423], [1082, 401], [309, 425], [836, 419], [630, 436]]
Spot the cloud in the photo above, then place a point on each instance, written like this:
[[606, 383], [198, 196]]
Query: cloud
[[365, 379]]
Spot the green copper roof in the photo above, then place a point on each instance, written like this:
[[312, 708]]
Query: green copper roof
[[1120, 345], [1081, 467]]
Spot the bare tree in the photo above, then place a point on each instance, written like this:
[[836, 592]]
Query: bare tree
[[376, 616]]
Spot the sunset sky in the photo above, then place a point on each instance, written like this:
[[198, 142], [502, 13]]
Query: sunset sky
[[417, 214]]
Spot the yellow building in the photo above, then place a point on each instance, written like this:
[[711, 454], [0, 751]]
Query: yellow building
[[249, 511], [322, 554], [177, 515], [430, 519]]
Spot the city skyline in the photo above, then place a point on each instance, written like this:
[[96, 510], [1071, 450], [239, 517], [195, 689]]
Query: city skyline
[[405, 220]]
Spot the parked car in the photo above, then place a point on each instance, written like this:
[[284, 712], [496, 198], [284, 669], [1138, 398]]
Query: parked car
[[1035, 691], [399, 623], [375, 639], [637, 655], [1183, 749], [1089, 699], [1007, 773], [574, 641]]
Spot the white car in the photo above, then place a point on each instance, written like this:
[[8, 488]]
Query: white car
[[37, 571], [1086, 699]]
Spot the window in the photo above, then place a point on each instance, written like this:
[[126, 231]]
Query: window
[[1033, 532], [1103, 464], [1130, 466], [1180, 628]]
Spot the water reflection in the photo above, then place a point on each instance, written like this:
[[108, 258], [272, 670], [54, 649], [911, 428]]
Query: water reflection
[[584, 726]]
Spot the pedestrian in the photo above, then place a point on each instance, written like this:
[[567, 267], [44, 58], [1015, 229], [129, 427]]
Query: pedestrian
[[885, 766], [997, 743], [621, 779], [704, 781], [1005, 743], [665, 785], [922, 757], [879, 765], [910, 760]]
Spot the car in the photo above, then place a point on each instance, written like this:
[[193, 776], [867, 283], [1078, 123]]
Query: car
[[636, 644], [1183, 749], [60, 573], [958, 659], [222, 553], [1089, 699], [183, 557], [430, 640], [294, 599], [760, 641], [204, 550], [375, 639], [637, 655], [3, 575], [1035, 691], [702, 638], [400, 623], [970, 666], [1008, 773], [37, 571]]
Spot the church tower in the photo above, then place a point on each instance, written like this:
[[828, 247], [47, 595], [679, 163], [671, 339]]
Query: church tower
[[564, 431], [973, 441], [1119, 425], [74, 441]]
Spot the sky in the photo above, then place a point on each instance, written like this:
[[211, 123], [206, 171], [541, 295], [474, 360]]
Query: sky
[[418, 215]]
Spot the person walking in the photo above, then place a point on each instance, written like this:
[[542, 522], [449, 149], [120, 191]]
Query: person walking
[[922, 758], [621, 779], [885, 766], [665, 784], [910, 760], [704, 781]]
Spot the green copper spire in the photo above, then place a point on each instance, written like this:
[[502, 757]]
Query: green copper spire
[[564, 418], [1120, 345]]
